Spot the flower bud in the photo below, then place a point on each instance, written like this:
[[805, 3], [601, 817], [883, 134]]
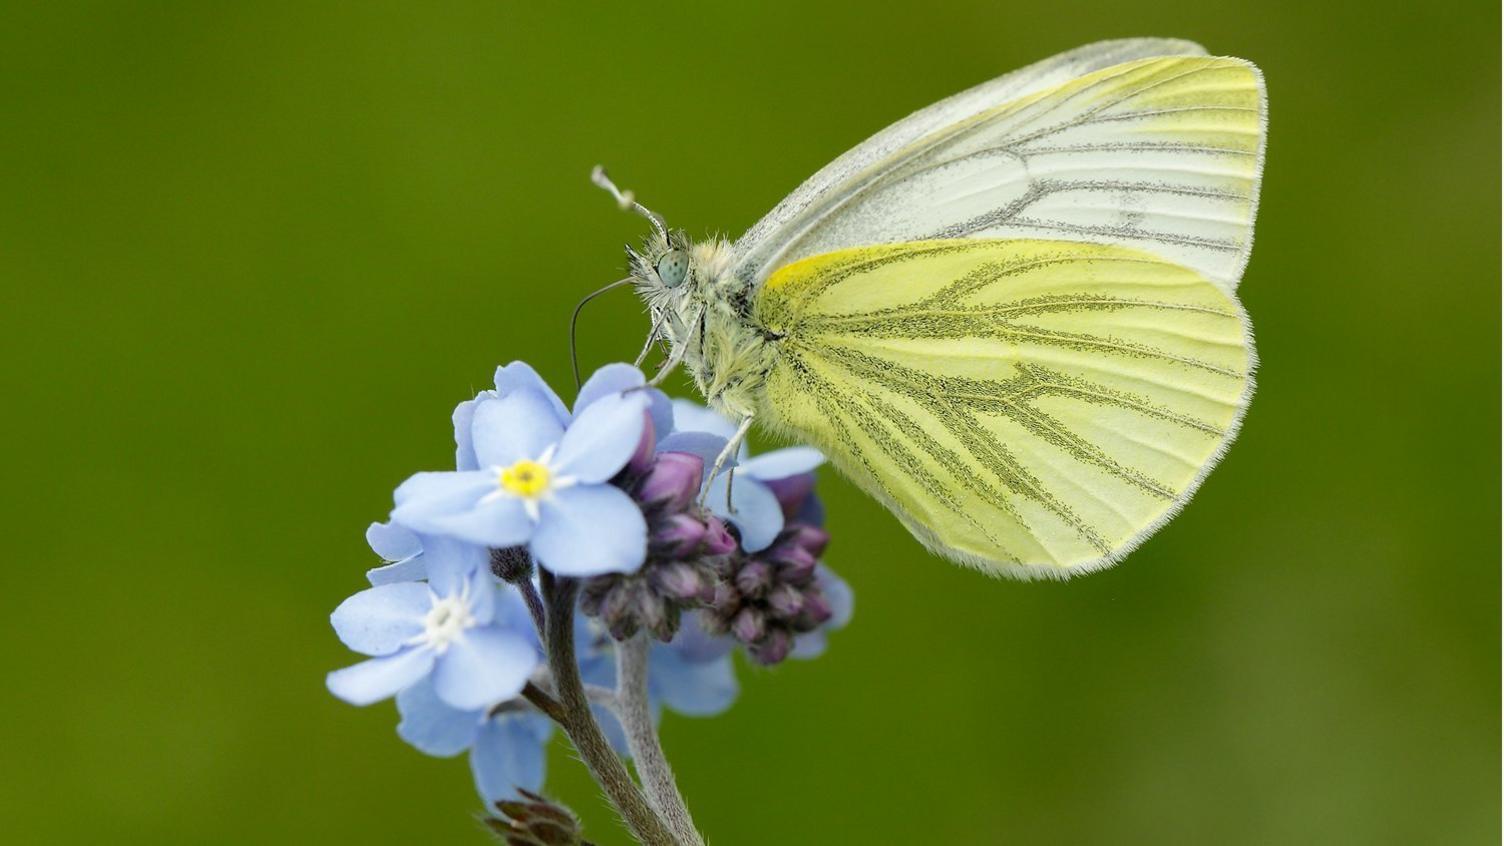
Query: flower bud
[[749, 626], [718, 539], [815, 612], [795, 565], [754, 579], [535, 821], [672, 482], [811, 539], [512, 564], [678, 535], [785, 601], [774, 648], [681, 581]]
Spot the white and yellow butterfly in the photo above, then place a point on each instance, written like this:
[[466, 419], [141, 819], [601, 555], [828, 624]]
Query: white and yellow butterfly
[[1010, 316]]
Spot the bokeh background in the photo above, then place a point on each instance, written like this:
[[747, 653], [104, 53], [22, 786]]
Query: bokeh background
[[251, 254]]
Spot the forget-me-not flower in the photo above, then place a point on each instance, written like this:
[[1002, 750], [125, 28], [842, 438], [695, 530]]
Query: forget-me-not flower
[[475, 643], [541, 478], [508, 743]]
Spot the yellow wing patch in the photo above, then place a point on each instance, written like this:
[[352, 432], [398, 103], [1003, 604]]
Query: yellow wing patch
[[1034, 408]]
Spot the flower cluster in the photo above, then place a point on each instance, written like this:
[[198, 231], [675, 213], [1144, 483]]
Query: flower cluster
[[612, 495]]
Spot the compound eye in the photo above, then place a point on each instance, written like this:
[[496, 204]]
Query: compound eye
[[673, 267]]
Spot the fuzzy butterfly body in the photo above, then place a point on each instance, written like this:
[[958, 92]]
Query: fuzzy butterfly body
[[1009, 317]]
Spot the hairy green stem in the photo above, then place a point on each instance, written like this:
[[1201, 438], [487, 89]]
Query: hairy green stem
[[642, 738], [577, 721]]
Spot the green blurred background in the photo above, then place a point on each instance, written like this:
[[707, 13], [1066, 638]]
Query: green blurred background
[[251, 254]]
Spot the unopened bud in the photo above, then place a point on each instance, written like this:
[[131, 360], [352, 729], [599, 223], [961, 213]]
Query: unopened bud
[[718, 539], [754, 579], [785, 601], [749, 626], [672, 482], [512, 564], [774, 648], [678, 536]]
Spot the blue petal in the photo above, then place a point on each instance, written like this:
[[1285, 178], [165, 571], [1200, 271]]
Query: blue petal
[[407, 570], [707, 446], [520, 376], [661, 410], [693, 417], [696, 689], [379, 620], [611, 379], [486, 666], [755, 510], [588, 530], [510, 752], [520, 425], [433, 727], [839, 594], [450, 562], [783, 463], [376, 679], [602, 438], [463, 418], [808, 645], [393, 542], [425, 496], [695, 645], [502, 522]]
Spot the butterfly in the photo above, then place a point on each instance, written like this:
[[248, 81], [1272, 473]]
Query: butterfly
[[1011, 316]]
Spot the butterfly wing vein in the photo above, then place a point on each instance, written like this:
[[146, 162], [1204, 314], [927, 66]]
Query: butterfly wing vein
[[1031, 407]]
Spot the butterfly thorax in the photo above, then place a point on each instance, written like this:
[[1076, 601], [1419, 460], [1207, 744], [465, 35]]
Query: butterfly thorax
[[704, 317]]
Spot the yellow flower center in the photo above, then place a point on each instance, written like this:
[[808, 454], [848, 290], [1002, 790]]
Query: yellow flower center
[[526, 479]]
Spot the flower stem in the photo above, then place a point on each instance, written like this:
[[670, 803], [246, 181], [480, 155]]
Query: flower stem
[[642, 738], [580, 725]]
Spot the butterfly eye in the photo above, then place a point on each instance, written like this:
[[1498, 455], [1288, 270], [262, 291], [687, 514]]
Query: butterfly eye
[[673, 267]]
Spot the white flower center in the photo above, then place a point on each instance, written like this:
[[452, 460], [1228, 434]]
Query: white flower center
[[447, 621]]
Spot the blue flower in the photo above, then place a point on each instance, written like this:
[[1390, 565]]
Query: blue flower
[[532, 475], [508, 743], [693, 674], [472, 640], [754, 506], [402, 549]]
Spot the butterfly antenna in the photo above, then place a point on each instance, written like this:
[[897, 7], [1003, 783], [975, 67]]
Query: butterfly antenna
[[574, 320], [627, 201]]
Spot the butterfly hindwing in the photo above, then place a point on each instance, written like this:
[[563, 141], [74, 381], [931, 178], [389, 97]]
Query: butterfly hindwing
[[1030, 407]]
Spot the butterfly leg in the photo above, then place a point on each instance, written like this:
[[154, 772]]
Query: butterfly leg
[[732, 444], [652, 338]]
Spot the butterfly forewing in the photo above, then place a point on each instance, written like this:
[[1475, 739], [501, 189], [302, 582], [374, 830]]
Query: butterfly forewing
[[1033, 407], [1161, 154]]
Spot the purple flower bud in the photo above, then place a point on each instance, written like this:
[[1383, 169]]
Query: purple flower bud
[[811, 539], [754, 579], [678, 536], [672, 482], [642, 459], [718, 539], [815, 613], [791, 492], [749, 625], [795, 565], [680, 581], [774, 648], [785, 601]]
